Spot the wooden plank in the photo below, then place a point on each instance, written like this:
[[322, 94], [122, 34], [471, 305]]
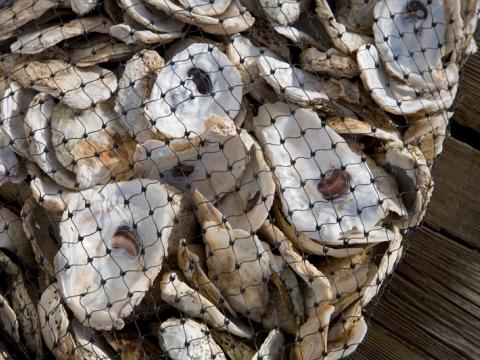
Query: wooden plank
[[468, 111], [428, 322], [382, 344], [431, 308], [445, 268], [455, 203]]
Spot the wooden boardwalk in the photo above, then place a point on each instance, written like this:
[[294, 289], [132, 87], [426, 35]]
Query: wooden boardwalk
[[431, 308]]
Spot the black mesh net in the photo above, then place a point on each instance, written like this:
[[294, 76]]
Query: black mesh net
[[214, 179]]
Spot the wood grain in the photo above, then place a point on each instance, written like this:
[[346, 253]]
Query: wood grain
[[468, 112], [455, 203], [431, 309], [382, 344]]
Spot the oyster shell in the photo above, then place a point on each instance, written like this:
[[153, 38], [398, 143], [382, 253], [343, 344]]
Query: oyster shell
[[285, 314], [64, 338], [304, 155], [190, 265], [212, 163], [183, 339], [245, 56], [197, 83], [14, 103], [79, 88], [429, 134], [22, 304], [289, 289], [91, 144], [311, 340], [132, 35], [346, 333], [149, 17], [332, 63], [237, 261], [399, 97], [8, 319], [40, 233], [234, 348], [10, 168], [178, 294], [100, 49], [409, 194], [233, 20], [348, 275], [284, 13], [133, 346], [39, 40], [303, 88], [272, 348], [345, 41], [12, 236], [248, 206], [20, 12], [407, 54], [357, 16], [134, 88], [40, 148], [110, 255], [82, 7], [305, 243]]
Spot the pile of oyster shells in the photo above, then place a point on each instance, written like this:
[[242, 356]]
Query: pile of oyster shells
[[229, 179]]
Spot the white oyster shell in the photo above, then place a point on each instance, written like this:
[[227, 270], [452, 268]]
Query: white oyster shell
[[233, 20], [79, 88], [100, 49], [272, 347], [245, 56], [13, 106], [197, 83], [91, 144], [131, 35], [113, 244], [82, 7], [237, 262], [212, 163], [407, 36], [40, 40], [301, 149], [134, 88], [304, 88], [40, 149], [192, 269], [401, 97], [248, 206], [429, 134], [152, 19], [332, 63], [284, 12], [206, 7], [64, 338], [346, 333], [184, 339], [178, 294], [21, 12]]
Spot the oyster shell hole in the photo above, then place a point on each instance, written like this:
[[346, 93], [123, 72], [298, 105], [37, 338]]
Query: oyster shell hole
[[127, 239], [201, 80], [182, 170], [335, 184], [415, 10]]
